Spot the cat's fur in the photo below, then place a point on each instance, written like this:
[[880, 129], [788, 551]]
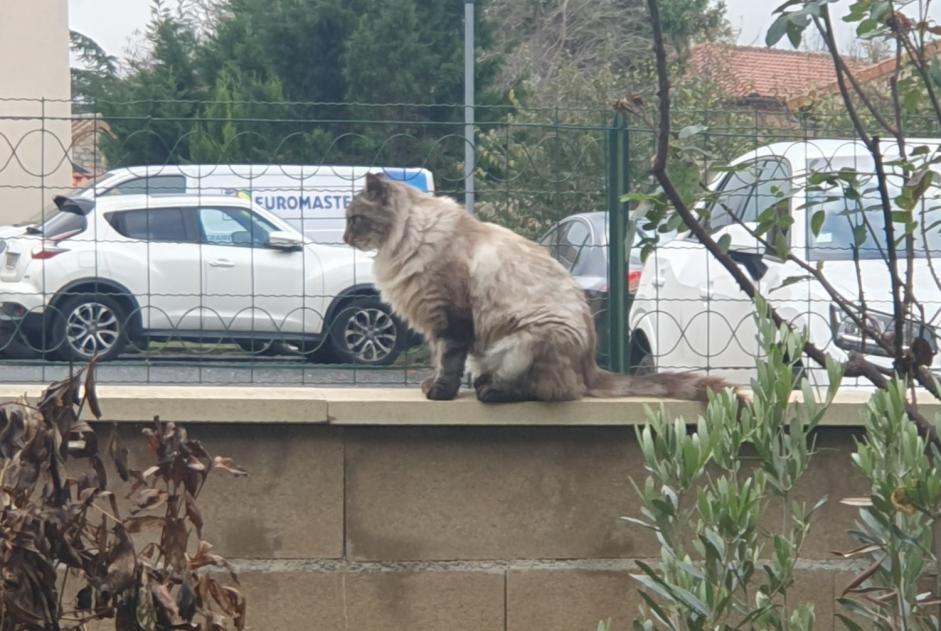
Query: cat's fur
[[483, 294]]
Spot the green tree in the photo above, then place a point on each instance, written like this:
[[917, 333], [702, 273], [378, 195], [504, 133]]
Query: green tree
[[97, 70], [150, 110]]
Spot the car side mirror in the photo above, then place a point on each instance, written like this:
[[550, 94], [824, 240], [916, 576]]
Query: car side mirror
[[283, 240], [741, 238]]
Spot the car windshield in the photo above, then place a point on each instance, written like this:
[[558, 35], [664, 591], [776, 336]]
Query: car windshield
[[856, 227]]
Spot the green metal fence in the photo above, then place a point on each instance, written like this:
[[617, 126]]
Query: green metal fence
[[536, 170]]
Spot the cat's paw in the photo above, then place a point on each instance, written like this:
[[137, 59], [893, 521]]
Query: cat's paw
[[487, 393], [427, 383], [441, 390]]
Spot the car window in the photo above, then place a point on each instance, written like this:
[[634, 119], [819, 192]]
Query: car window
[[847, 222], [151, 224], [152, 185], [749, 191], [551, 239], [234, 227], [572, 243], [63, 225]]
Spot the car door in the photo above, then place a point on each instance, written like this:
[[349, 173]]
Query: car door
[[250, 287], [159, 263]]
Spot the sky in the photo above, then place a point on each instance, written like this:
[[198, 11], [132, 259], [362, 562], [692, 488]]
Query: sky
[[112, 23]]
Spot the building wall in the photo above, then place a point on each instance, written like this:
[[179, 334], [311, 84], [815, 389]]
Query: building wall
[[35, 131], [460, 528]]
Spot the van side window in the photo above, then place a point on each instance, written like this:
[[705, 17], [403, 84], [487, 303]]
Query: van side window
[[153, 185]]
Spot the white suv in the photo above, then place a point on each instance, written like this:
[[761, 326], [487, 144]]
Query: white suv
[[101, 275], [689, 313]]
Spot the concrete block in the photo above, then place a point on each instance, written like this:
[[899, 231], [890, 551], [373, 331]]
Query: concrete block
[[492, 493], [291, 503], [424, 601], [831, 473], [289, 506], [567, 600], [312, 601]]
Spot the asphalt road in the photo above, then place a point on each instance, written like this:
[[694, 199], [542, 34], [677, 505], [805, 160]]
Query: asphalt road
[[218, 370]]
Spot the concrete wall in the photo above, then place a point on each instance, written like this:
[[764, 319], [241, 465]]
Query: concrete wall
[[477, 518], [34, 135]]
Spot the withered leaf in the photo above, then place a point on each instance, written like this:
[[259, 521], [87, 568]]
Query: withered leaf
[[91, 394], [164, 599], [227, 464], [150, 498], [99, 468], [922, 352], [186, 599], [193, 514], [122, 565], [118, 453], [83, 600], [173, 542]]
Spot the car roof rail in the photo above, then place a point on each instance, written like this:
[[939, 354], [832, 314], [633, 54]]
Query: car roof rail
[[75, 205]]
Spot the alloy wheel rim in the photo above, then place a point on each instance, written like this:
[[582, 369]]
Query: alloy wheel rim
[[370, 334], [92, 329]]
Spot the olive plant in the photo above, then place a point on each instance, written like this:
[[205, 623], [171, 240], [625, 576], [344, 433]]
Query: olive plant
[[721, 565]]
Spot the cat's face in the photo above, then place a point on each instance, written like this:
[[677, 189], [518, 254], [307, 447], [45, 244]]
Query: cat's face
[[370, 215]]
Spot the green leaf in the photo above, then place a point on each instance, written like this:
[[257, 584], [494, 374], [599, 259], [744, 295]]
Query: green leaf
[[724, 242], [848, 623], [859, 235], [795, 31], [777, 29], [816, 222], [691, 130], [790, 280]]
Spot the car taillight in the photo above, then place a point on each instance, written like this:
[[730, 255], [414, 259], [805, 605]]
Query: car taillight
[[633, 280], [48, 252]]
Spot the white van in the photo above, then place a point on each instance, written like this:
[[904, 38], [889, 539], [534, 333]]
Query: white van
[[313, 199]]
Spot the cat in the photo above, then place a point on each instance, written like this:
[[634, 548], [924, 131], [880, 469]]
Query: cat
[[491, 301]]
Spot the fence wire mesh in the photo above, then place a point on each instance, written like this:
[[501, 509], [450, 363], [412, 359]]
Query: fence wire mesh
[[201, 242]]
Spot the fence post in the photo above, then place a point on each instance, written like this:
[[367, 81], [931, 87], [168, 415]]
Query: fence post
[[618, 185]]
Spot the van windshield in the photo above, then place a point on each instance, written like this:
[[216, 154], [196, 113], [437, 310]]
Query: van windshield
[[856, 228]]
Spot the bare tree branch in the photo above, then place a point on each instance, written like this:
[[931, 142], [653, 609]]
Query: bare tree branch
[[858, 366]]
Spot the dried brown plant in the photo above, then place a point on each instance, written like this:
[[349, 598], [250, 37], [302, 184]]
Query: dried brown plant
[[57, 527]]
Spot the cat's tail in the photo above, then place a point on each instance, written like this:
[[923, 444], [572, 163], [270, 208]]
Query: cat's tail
[[689, 386]]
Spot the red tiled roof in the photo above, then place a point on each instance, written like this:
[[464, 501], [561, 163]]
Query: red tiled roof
[[83, 126], [748, 71], [862, 75]]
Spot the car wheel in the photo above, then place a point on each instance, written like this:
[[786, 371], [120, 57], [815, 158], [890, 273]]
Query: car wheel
[[15, 345], [640, 360], [365, 332], [89, 325]]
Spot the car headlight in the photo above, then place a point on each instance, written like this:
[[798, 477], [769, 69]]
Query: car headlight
[[849, 336]]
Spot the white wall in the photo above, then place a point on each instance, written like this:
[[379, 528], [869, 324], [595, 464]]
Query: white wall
[[34, 136]]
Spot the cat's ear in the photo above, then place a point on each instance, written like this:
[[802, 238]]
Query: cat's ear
[[376, 186]]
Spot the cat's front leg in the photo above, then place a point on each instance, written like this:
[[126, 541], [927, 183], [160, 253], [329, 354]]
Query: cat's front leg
[[450, 347], [446, 382]]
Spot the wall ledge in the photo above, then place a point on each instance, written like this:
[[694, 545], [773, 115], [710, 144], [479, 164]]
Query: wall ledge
[[391, 406]]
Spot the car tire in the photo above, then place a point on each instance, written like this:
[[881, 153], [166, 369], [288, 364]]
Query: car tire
[[15, 345], [640, 361], [88, 325], [364, 332]]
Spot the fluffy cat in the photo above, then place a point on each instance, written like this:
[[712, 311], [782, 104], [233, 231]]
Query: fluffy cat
[[484, 295]]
